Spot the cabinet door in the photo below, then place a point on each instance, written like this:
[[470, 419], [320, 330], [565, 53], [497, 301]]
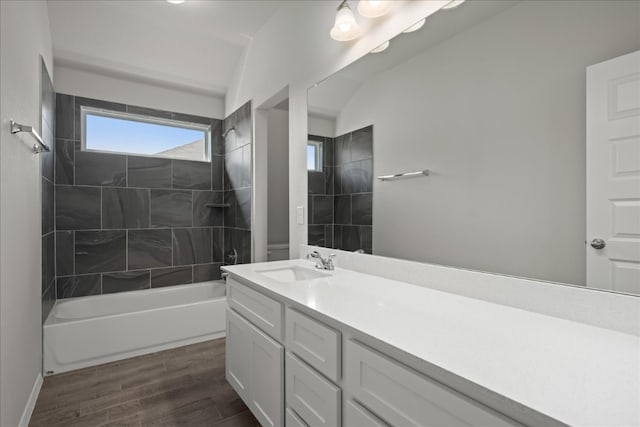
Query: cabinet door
[[266, 389], [237, 346]]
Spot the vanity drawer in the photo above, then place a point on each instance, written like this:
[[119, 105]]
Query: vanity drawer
[[313, 342], [293, 420], [261, 310], [357, 416], [312, 397], [403, 397]]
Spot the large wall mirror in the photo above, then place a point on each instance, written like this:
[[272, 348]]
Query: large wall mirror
[[526, 115]]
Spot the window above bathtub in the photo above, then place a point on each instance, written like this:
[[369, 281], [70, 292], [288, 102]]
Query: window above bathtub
[[127, 133], [314, 155]]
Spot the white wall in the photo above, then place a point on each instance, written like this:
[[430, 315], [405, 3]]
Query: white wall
[[294, 49], [278, 176], [498, 114], [321, 126], [24, 36], [93, 84]]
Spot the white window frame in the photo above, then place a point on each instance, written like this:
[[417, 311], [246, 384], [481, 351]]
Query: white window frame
[[143, 119], [319, 154]]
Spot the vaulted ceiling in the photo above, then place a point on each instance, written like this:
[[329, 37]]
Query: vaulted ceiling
[[196, 44]]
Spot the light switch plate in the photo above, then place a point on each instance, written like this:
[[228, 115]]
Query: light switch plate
[[300, 215]]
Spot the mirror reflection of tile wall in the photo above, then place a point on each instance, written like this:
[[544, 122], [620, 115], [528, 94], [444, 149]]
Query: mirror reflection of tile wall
[[340, 196]]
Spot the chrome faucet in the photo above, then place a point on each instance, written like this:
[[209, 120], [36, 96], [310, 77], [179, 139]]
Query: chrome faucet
[[322, 263]]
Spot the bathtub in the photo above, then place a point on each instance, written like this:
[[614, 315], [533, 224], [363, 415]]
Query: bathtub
[[87, 331]]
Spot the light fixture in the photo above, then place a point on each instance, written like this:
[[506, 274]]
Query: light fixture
[[374, 8], [175, 1], [415, 26], [380, 48], [345, 28], [452, 4]]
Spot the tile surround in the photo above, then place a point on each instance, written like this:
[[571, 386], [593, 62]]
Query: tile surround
[[340, 196], [134, 222]]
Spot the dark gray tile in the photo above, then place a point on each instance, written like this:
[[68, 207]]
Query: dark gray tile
[[342, 149], [171, 208], [356, 177], [100, 251], [237, 246], [148, 249], [191, 246], [191, 175], [362, 208], [217, 238], [362, 144], [233, 169], [245, 173], [315, 182], [342, 209], [337, 180], [171, 276], [206, 272], [204, 215], [125, 208], [48, 299], [149, 172], [230, 215], [47, 157], [100, 169], [243, 213], [79, 286], [217, 173], [48, 207], [328, 152], [125, 281], [217, 142], [316, 235], [322, 209], [64, 116], [64, 253], [350, 240], [328, 174], [64, 162], [190, 118], [366, 239], [328, 236], [143, 111], [77, 208], [48, 261], [240, 120], [337, 236]]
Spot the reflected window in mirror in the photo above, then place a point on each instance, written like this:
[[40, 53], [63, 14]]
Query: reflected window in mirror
[[314, 155]]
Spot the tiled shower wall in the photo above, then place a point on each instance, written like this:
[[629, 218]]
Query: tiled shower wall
[[131, 222], [47, 123], [340, 197]]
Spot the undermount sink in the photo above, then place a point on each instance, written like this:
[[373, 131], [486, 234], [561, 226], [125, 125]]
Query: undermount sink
[[293, 274]]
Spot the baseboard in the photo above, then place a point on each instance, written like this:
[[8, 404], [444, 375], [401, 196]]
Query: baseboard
[[31, 403]]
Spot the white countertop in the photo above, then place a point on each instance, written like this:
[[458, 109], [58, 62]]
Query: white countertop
[[572, 372]]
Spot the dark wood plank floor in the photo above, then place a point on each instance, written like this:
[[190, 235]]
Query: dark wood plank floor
[[179, 387]]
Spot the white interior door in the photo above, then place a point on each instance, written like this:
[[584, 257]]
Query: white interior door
[[613, 174]]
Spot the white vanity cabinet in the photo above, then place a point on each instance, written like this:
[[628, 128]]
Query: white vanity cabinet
[[254, 367], [295, 370]]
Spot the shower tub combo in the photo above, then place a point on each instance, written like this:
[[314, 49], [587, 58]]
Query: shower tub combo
[[87, 331]]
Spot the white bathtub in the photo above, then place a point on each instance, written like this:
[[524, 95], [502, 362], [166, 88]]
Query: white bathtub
[[87, 331]]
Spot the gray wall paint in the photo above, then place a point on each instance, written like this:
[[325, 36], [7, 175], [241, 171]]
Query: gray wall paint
[[497, 113], [278, 176], [24, 36]]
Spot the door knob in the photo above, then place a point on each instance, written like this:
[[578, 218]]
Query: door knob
[[598, 243]]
